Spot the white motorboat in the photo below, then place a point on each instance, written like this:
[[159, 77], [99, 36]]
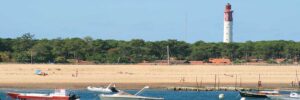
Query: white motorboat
[[292, 96], [108, 89], [126, 96]]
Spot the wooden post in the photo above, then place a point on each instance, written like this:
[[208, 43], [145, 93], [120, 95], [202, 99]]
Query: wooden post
[[240, 81], [259, 85], [118, 60], [31, 58], [297, 79], [201, 83], [168, 54], [235, 85], [218, 82], [215, 81], [197, 82], [76, 75]]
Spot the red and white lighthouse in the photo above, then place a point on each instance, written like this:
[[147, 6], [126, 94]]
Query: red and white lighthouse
[[228, 22]]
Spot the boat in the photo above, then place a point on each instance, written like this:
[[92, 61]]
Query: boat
[[121, 95], [259, 94], [59, 94], [292, 96], [108, 89]]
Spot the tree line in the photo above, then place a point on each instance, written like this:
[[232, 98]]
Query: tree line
[[27, 49]]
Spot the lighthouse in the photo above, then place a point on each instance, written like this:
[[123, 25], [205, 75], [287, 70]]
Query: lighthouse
[[228, 22]]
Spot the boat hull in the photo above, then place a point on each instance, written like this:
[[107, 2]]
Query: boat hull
[[280, 97], [128, 98], [250, 94], [27, 97]]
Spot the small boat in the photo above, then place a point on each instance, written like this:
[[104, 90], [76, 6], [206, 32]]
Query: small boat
[[126, 96], [59, 94], [259, 94], [108, 89], [292, 96]]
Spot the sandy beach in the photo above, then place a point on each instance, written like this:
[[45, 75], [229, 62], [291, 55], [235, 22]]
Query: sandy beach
[[136, 76]]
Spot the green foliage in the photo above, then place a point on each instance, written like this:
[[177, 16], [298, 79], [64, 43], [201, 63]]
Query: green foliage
[[4, 57], [204, 51], [97, 58], [23, 43], [23, 48], [41, 51], [239, 61], [22, 57], [229, 50], [60, 59], [271, 61], [288, 61]]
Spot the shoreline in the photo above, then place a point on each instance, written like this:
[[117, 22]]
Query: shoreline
[[133, 85], [137, 76]]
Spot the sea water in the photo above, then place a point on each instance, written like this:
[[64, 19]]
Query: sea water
[[167, 94]]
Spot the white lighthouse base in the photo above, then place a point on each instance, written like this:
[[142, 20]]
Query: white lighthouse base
[[227, 32]]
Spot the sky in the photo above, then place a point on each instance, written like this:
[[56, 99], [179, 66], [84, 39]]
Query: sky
[[151, 20]]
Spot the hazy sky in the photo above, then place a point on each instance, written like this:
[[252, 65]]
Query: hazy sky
[[188, 20]]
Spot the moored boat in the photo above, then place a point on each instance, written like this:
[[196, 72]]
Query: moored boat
[[292, 96], [126, 96], [259, 94], [59, 94], [108, 89]]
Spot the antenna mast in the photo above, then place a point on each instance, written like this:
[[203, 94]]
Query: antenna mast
[[168, 53]]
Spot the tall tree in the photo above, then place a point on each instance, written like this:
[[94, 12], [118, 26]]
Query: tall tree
[[21, 48]]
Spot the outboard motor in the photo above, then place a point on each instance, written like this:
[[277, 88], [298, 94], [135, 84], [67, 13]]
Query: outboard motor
[[73, 97], [113, 89]]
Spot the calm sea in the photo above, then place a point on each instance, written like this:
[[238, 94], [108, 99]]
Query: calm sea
[[167, 94]]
